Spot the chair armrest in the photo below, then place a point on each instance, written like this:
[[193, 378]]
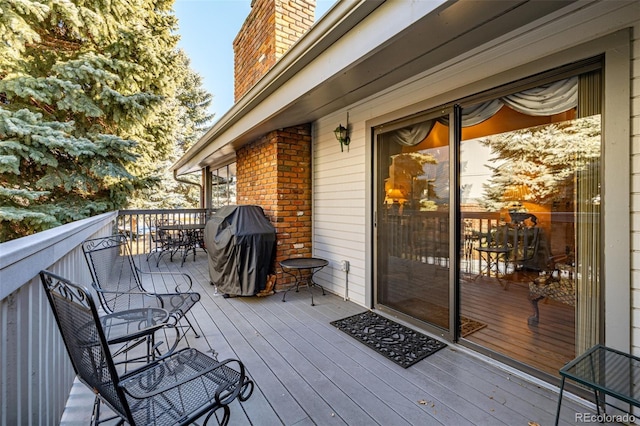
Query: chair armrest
[[184, 276], [146, 293], [136, 338], [557, 258], [109, 299]]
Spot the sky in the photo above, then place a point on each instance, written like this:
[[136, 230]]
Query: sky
[[207, 29]]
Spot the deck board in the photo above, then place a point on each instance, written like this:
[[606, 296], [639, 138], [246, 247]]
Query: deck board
[[308, 372]]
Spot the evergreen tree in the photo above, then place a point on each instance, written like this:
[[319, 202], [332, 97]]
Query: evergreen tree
[[539, 164], [191, 105], [88, 107]]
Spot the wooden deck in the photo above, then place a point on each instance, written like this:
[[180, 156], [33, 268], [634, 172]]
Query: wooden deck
[[308, 372]]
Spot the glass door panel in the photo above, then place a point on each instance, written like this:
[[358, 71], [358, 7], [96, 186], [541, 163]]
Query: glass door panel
[[530, 225], [412, 232]]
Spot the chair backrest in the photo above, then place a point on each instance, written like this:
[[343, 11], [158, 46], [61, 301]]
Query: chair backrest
[[84, 338], [498, 236], [528, 241], [112, 269], [154, 225]]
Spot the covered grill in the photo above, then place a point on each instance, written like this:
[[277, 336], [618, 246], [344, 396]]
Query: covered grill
[[240, 242]]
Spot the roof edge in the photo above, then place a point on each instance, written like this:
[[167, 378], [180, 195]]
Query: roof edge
[[341, 18]]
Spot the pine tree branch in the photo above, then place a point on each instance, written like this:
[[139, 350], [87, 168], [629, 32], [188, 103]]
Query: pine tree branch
[[46, 108]]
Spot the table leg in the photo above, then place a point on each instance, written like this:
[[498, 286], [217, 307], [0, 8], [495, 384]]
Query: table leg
[[300, 278], [310, 292], [559, 401], [290, 287]]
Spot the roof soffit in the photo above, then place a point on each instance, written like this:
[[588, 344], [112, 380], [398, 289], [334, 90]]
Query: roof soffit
[[447, 32]]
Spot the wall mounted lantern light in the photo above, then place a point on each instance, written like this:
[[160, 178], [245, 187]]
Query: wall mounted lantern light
[[342, 134]]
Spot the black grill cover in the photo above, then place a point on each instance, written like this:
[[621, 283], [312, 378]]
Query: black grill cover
[[240, 242]]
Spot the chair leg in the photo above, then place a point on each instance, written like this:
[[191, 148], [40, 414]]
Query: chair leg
[[225, 416], [95, 414], [533, 319], [191, 325]]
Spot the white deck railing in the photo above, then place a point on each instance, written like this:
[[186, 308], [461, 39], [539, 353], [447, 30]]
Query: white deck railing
[[35, 373]]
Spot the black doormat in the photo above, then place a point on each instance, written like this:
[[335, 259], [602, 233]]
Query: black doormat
[[398, 343]]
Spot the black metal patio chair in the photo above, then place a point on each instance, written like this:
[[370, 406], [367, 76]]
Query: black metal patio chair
[[118, 283], [175, 241], [174, 390], [159, 239]]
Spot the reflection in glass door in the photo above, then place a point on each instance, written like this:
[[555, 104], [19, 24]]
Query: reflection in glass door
[[530, 222], [412, 232]]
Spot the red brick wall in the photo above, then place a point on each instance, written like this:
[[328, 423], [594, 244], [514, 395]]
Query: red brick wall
[[293, 19], [274, 172], [271, 28]]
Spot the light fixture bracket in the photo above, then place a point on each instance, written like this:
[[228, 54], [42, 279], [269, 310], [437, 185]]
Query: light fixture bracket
[[342, 135]]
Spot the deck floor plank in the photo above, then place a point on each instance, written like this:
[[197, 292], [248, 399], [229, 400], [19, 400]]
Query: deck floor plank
[[359, 354], [367, 407], [307, 372]]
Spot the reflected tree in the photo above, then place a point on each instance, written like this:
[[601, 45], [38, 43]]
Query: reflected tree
[[539, 164]]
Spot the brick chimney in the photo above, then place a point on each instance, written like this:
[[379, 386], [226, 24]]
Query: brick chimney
[[274, 171], [271, 28]]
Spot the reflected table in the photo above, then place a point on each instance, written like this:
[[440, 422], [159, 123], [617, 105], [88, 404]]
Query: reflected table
[[302, 269]]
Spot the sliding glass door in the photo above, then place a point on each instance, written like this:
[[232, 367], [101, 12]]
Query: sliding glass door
[[413, 224], [489, 218]]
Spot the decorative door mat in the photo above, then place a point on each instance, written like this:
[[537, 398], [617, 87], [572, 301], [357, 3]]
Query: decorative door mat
[[468, 326], [396, 342]]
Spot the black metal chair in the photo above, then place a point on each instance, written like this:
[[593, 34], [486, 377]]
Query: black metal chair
[[174, 241], [117, 281], [159, 239], [176, 389]]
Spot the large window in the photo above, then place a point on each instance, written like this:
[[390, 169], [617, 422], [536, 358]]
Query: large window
[[223, 186]]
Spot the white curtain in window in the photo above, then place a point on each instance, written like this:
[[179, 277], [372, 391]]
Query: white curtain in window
[[549, 99], [412, 135], [476, 114]]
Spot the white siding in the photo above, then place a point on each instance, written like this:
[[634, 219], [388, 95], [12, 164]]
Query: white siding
[[635, 189], [342, 180], [339, 208]]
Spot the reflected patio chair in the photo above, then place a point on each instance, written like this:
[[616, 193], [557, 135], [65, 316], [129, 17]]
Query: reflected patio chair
[[118, 281], [555, 280], [177, 389], [526, 245], [494, 250]]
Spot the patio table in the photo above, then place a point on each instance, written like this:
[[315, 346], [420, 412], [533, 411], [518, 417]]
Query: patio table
[[606, 371], [302, 269], [193, 233]]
